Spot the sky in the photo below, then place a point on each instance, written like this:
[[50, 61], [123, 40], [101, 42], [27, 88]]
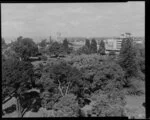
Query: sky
[[40, 20]]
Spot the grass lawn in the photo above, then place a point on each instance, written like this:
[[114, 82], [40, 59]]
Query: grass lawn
[[134, 105]]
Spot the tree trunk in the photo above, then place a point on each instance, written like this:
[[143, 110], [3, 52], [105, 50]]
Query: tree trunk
[[67, 89], [18, 106], [60, 89]]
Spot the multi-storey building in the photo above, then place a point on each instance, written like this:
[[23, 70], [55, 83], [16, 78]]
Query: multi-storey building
[[113, 45]]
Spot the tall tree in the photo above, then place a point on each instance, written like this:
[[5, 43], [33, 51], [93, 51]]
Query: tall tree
[[10, 54], [67, 106], [127, 57], [102, 48], [66, 45], [87, 45], [16, 79], [63, 77], [93, 47], [25, 47], [56, 49], [43, 43], [3, 43]]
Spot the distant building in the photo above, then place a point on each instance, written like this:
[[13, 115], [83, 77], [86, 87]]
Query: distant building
[[139, 40], [113, 44]]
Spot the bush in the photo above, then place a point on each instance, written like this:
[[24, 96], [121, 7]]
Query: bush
[[81, 61], [67, 106], [136, 87], [10, 109], [108, 76], [109, 104], [141, 75], [44, 58], [112, 53]]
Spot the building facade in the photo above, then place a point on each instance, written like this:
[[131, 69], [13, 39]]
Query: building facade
[[113, 45]]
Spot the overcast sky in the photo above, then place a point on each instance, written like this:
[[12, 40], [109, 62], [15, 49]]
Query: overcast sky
[[40, 20]]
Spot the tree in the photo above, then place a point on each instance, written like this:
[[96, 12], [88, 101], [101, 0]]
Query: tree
[[58, 80], [56, 49], [66, 77], [83, 50], [3, 43], [66, 44], [62, 76], [9, 53], [49, 92], [112, 53], [128, 34], [107, 77], [17, 77], [67, 106], [108, 104], [25, 48], [87, 45], [43, 43], [140, 57], [102, 48], [127, 57], [93, 47]]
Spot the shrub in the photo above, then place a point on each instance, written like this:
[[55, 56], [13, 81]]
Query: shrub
[[136, 87], [81, 61], [44, 58], [102, 48], [67, 106], [112, 53], [108, 76], [109, 104]]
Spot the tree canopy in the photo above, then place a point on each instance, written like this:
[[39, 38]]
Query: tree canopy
[[67, 106], [43, 43], [102, 48], [93, 46], [87, 46], [25, 48], [3, 43], [56, 49], [16, 76], [127, 57]]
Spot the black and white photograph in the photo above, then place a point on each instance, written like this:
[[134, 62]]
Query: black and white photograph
[[73, 59]]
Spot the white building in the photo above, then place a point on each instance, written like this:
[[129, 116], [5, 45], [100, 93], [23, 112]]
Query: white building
[[113, 45]]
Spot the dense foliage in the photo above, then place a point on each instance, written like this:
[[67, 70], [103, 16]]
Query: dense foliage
[[87, 43], [17, 77], [104, 77], [43, 43], [67, 106], [127, 58], [3, 43], [108, 104], [88, 46], [93, 47], [88, 83], [102, 48], [25, 48]]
